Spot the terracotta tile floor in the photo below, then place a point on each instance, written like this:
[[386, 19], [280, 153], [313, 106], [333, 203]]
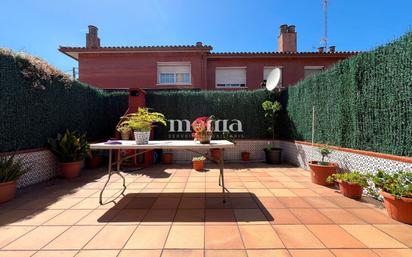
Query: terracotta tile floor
[[174, 211]]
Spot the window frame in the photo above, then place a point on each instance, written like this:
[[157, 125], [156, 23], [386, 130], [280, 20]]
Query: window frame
[[189, 64]]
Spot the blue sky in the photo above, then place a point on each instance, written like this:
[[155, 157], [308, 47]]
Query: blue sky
[[39, 27]]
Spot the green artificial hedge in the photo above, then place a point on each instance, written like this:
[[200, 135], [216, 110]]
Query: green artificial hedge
[[37, 101], [245, 106], [364, 102]]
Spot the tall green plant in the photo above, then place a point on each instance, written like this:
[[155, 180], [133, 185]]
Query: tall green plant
[[11, 169], [69, 147], [325, 151], [271, 109]]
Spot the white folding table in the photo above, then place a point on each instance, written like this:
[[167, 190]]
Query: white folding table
[[187, 145]]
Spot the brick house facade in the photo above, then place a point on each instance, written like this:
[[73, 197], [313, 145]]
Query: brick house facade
[[195, 66]]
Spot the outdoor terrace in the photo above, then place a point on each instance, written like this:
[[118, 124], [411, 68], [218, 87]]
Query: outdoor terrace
[[172, 210]]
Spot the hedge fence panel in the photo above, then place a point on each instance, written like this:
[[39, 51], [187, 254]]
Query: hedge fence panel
[[37, 102], [245, 106], [364, 102]]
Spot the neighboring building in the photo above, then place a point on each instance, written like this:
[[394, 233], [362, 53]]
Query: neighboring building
[[195, 66]]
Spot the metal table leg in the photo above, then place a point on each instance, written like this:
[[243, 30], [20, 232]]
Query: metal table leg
[[221, 175], [110, 172]]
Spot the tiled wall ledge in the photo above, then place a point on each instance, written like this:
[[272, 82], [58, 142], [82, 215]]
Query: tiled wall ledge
[[299, 153], [43, 163], [42, 166], [254, 147]]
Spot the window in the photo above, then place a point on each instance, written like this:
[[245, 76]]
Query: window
[[312, 70], [174, 73], [231, 77], [268, 69]]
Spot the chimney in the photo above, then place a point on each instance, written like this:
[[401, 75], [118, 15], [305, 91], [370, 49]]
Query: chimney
[[199, 44], [92, 40], [321, 49], [287, 39], [332, 49]]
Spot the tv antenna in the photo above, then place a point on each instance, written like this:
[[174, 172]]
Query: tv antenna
[[324, 39]]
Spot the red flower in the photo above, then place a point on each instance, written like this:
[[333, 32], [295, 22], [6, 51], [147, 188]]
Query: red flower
[[202, 126]]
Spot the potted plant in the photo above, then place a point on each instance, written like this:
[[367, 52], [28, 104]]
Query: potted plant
[[273, 155], [203, 129], [321, 170], [70, 149], [93, 159], [198, 163], [245, 156], [167, 158], [351, 184], [10, 170], [396, 190], [142, 122], [125, 131]]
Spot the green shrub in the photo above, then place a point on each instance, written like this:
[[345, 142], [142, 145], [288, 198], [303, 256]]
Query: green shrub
[[245, 106], [325, 151], [361, 103], [11, 169], [398, 184], [69, 147], [353, 177], [37, 101]]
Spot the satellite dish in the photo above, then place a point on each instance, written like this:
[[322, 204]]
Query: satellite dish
[[272, 81]]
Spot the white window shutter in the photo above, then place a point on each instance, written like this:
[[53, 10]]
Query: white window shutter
[[230, 76]]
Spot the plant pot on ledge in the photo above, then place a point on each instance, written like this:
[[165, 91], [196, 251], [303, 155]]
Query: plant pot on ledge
[[245, 156], [215, 154], [7, 191], [70, 169], [320, 171], [70, 149], [10, 171], [351, 184], [398, 209], [350, 190], [273, 155], [94, 162], [167, 158], [198, 163]]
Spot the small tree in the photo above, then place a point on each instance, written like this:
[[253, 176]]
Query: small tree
[[271, 109], [325, 151]]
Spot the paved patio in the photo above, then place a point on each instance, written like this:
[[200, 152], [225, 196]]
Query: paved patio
[[175, 211]]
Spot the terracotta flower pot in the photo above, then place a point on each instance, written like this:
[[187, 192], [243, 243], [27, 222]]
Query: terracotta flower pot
[[215, 154], [7, 191], [167, 158], [398, 209], [198, 165], [70, 169], [126, 135], [319, 173], [94, 162], [350, 190], [245, 156], [273, 156]]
